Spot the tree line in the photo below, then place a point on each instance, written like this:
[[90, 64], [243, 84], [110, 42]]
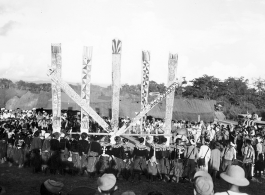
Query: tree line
[[235, 95]]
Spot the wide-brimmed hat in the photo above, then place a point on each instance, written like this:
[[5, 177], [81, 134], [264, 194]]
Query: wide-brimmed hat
[[203, 183], [106, 182], [235, 175], [53, 186]]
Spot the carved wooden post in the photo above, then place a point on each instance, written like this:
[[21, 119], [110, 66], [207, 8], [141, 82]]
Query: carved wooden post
[[145, 83], [56, 63], [85, 86], [172, 68], [116, 82]]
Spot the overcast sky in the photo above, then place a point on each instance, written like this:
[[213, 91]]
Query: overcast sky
[[216, 37]]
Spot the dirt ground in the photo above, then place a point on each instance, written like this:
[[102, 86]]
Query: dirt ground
[[24, 182]]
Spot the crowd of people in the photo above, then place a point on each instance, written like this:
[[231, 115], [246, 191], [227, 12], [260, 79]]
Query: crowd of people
[[198, 152]]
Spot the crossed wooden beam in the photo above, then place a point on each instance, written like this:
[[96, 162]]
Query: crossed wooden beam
[[112, 130], [52, 73]]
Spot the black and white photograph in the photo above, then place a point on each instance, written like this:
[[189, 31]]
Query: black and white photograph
[[132, 97]]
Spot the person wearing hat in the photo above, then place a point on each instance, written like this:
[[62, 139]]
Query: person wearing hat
[[203, 184], [235, 176], [107, 184], [140, 154], [191, 154], [118, 155], [51, 187], [215, 161]]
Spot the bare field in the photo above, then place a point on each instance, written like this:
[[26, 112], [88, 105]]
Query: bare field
[[23, 182]]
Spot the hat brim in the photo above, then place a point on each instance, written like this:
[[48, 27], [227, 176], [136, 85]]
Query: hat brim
[[238, 182]]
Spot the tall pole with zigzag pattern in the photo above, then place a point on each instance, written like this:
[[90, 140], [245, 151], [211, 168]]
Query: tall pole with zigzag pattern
[[85, 86], [145, 83]]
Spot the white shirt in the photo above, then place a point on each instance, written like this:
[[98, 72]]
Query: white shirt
[[6, 115], [212, 134], [202, 153], [229, 193]]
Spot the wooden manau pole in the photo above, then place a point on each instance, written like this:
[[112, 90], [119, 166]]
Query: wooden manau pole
[[172, 68], [56, 63], [145, 83], [85, 86], [116, 82]]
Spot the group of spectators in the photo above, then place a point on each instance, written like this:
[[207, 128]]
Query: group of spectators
[[199, 152]]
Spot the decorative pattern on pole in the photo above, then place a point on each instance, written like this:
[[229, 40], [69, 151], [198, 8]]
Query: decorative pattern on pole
[[147, 108], [52, 73], [56, 63], [145, 83], [85, 86], [116, 82], [172, 67]]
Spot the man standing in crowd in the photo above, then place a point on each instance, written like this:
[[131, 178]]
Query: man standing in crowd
[[191, 154], [204, 155], [119, 155], [249, 159], [229, 155], [140, 155], [215, 161]]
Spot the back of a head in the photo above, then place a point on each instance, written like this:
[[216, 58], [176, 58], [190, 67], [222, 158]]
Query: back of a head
[[203, 184], [107, 184]]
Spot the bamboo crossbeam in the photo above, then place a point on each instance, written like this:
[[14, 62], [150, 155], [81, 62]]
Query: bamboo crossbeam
[[74, 96], [148, 107]]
